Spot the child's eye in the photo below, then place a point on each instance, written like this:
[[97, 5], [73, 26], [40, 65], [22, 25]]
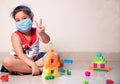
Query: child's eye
[[24, 18], [17, 20]]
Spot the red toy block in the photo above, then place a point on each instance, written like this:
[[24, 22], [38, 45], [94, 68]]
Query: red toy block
[[4, 78], [108, 81]]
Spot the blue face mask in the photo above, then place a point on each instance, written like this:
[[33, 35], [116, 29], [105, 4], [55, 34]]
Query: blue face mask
[[24, 26]]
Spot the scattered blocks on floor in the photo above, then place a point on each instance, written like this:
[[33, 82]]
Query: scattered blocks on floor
[[65, 71]]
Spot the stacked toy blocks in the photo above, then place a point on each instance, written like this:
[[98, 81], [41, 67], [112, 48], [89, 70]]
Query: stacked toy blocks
[[99, 63], [51, 64]]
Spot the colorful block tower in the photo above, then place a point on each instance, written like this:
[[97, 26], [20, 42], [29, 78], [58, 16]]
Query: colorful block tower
[[99, 63], [51, 64]]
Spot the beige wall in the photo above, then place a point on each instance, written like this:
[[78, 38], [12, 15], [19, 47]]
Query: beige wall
[[73, 25]]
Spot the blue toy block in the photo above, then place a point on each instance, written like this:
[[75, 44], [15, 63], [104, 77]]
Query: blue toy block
[[99, 54], [68, 61]]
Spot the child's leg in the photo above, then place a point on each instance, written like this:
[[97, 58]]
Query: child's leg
[[14, 64]]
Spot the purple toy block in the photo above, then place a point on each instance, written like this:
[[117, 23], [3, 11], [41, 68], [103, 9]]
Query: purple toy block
[[95, 65], [87, 73], [102, 65]]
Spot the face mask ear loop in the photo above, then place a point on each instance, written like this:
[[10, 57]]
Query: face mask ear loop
[[31, 16]]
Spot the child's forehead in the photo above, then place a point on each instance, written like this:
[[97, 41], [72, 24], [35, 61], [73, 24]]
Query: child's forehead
[[21, 14]]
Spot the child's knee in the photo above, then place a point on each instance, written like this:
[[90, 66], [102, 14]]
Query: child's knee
[[7, 61]]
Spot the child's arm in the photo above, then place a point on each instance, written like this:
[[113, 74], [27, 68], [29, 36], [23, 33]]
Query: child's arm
[[19, 52], [41, 32], [43, 37]]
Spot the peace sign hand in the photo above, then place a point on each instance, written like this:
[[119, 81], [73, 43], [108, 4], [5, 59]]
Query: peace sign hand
[[40, 27]]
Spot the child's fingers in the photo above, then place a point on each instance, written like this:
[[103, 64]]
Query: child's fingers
[[40, 22], [36, 23]]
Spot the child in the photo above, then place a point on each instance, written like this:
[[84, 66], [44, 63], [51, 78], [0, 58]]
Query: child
[[25, 42]]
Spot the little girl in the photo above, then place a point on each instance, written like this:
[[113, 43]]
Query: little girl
[[25, 42]]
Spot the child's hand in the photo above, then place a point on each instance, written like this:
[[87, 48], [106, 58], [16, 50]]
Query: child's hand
[[41, 32], [35, 70], [40, 27]]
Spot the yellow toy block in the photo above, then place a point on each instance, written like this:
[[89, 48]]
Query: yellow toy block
[[50, 72]]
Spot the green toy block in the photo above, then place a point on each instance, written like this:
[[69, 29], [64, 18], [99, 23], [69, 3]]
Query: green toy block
[[51, 77], [68, 73], [99, 60], [85, 82], [100, 70], [46, 77], [62, 70]]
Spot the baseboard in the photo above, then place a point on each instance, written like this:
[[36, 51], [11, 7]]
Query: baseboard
[[87, 56], [78, 56]]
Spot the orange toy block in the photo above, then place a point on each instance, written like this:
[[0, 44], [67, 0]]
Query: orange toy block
[[51, 60], [107, 69]]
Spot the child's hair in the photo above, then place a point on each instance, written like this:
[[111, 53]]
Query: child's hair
[[23, 8]]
